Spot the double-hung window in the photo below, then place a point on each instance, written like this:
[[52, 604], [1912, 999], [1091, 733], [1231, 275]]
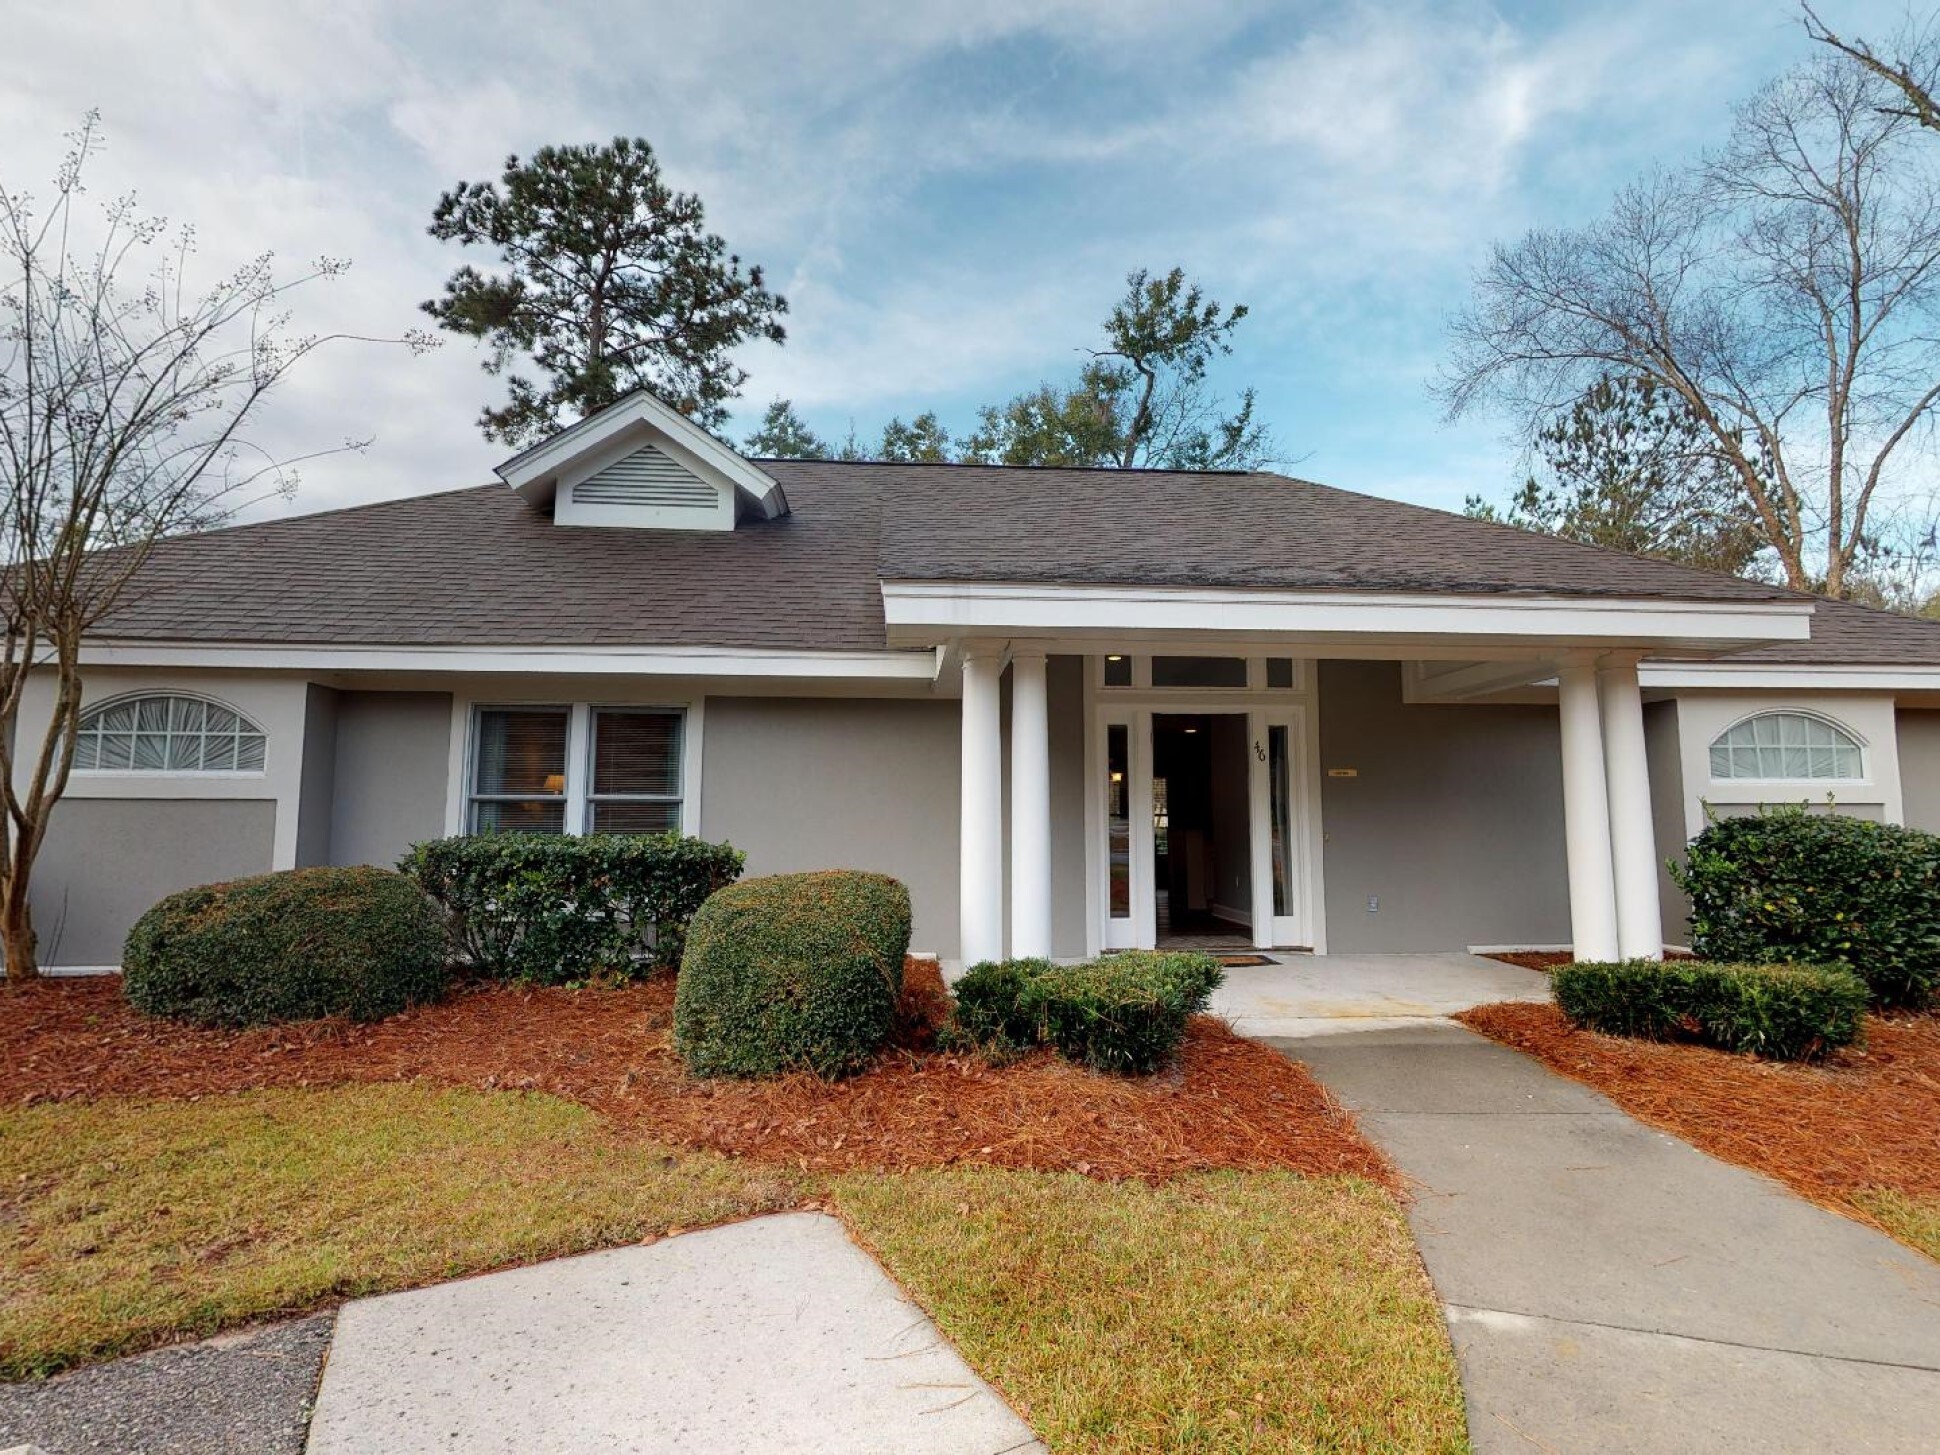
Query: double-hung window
[[519, 769], [576, 768]]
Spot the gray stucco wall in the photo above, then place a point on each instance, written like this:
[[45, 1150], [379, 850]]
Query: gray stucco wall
[[1455, 819], [392, 753], [1919, 739], [831, 783], [1662, 759], [107, 860], [317, 788]]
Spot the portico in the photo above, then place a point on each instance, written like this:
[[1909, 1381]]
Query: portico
[[1586, 671]]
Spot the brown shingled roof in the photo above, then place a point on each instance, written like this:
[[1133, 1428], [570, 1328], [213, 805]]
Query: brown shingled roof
[[481, 567]]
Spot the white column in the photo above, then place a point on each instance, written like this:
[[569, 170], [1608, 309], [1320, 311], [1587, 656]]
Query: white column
[[1030, 806], [1633, 846], [1586, 815], [981, 915]]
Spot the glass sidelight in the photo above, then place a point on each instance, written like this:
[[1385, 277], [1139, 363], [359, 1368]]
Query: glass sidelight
[[1279, 798], [1118, 819]]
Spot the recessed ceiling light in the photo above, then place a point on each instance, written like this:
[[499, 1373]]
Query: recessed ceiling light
[[1114, 659]]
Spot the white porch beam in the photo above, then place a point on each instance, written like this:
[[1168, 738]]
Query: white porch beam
[[1030, 806], [1586, 814], [1633, 852], [981, 912]]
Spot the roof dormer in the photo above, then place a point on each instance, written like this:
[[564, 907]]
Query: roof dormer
[[642, 465]]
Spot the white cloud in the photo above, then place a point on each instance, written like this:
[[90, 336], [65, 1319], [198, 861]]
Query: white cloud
[[948, 192]]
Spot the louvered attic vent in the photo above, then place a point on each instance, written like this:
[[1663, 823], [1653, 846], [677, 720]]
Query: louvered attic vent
[[650, 479]]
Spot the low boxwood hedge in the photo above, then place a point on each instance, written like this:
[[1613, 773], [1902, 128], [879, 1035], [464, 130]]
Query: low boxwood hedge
[[554, 908], [1124, 1013], [1825, 889], [297, 945], [1786, 1012], [792, 972]]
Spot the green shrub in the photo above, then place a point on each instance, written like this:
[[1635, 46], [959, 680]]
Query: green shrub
[[792, 971], [993, 1011], [363, 943], [552, 908], [1787, 1012], [1824, 889], [1125, 1013]]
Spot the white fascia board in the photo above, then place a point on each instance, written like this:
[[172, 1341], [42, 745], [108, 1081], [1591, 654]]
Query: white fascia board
[[1781, 676], [896, 666], [535, 473], [923, 611]]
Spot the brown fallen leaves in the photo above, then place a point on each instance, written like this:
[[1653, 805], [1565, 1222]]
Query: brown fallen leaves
[[1228, 1103]]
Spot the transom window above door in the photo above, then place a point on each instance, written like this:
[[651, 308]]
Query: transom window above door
[[1787, 747], [576, 768], [1166, 673]]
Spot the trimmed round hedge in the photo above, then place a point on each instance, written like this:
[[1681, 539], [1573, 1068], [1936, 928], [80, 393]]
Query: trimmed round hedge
[[792, 972], [297, 945]]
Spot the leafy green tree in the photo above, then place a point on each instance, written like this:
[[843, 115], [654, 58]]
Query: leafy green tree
[[1629, 467], [923, 441], [1142, 400], [607, 281], [785, 435]]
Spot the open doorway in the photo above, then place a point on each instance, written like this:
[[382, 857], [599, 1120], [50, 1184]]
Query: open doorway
[[1201, 836]]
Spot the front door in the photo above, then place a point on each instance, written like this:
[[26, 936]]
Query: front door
[[1203, 830]]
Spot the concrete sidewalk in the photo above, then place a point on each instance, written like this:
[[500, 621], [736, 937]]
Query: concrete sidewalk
[[1311, 995], [1609, 1288], [776, 1334]]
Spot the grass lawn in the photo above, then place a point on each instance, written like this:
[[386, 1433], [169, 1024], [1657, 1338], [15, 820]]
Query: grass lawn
[[1915, 1221], [1226, 1311], [124, 1223], [1218, 1311]]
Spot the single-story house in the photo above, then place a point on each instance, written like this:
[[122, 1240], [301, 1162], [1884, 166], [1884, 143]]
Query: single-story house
[[1071, 709]]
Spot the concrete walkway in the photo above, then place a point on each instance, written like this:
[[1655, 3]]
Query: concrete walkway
[[1611, 1289], [1313, 995], [776, 1334]]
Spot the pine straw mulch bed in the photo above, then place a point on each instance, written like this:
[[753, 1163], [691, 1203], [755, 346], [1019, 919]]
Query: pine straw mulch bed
[[1229, 1103], [1863, 1119], [1547, 960]]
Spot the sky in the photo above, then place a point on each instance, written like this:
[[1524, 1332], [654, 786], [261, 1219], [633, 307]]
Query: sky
[[948, 194]]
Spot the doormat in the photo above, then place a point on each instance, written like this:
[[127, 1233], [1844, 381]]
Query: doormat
[[1241, 962]]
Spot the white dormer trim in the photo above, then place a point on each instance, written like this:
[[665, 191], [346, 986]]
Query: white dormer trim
[[547, 473]]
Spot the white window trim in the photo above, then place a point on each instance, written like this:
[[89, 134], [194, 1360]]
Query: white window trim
[[1792, 785], [579, 761]]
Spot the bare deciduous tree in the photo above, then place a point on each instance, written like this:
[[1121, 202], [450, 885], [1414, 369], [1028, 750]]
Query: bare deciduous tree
[[122, 403], [1785, 291]]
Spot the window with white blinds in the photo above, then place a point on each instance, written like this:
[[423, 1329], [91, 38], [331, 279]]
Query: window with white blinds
[[628, 761], [167, 733], [519, 769], [635, 779]]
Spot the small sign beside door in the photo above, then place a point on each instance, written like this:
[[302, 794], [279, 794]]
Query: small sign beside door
[[1343, 772]]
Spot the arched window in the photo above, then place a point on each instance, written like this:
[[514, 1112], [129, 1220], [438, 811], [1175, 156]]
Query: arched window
[[167, 733], [1788, 747]]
